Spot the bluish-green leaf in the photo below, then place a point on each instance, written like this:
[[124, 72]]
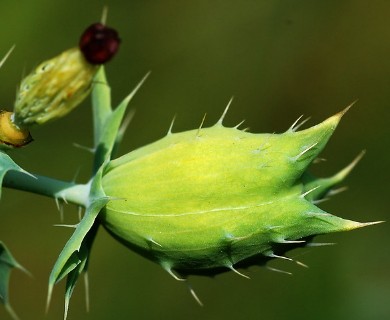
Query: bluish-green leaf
[[7, 164], [74, 256], [107, 134], [7, 263]]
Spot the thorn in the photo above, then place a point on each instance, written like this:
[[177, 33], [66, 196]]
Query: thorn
[[333, 192], [171, 126], [304, 151], [79, 146], [278, 270], [318, 201], [10, 311], [283, 241], [200, 127], [237, 272], [60, 207], [245, 129], [66, 308], [73, 226], [366, 224], [295, 126], [75, 175], [318, 160], [343, 112], [236, 127], [299, 263], [154, 242], [302, 123], [6, 56], [63, 199], [28, 173], [319, 244], [272, 255], [219, 122], [168, 269], [125, 123], [303, 195], [195, 296], [48, 299], [135, 90], [139, 85], [57, 203]]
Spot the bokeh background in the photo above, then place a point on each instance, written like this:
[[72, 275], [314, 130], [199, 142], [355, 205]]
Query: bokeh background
[[279, 59]]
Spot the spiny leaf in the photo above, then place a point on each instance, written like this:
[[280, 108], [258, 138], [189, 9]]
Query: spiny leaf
[[74, 256], [83, 255], [7, 263], [73, 259], [7, 164], [108, 122]]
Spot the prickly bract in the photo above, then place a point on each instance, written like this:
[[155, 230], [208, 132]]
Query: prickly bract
[[207, 200]]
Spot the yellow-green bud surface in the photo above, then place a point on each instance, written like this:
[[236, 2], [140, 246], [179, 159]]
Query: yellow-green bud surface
[[206, 200]]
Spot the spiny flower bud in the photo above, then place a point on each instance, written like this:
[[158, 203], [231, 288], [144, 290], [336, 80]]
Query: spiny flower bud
[[209, 200]]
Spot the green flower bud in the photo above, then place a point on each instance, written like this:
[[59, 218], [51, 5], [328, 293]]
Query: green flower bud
[[54, 88], [209, 200]]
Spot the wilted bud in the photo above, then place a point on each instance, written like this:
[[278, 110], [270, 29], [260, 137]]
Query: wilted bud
[[209, 200], [11, 136]]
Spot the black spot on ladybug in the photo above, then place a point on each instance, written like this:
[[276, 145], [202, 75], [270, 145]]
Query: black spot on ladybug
[[99, 43]]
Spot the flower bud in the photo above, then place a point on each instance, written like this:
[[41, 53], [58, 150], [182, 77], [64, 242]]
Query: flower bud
[[206, 200], [60, 84], [54, 88], [11, 136]]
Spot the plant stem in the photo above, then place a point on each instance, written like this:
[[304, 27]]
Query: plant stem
[[57, 189]]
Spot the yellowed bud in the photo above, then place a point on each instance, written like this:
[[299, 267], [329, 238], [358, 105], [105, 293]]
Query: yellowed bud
[[11, 136], [54, 88]]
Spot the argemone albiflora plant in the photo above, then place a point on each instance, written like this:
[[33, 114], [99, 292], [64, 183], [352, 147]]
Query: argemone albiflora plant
[[204, 201]]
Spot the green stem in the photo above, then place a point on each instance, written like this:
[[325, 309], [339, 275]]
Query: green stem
[[57, 189]]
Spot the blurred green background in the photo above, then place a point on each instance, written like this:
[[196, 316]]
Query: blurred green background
[[279, 59]]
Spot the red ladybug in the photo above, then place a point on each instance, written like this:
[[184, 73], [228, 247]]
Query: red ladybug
[[99, 43]]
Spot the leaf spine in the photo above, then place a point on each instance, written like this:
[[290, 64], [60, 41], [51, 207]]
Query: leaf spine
[[296, 158]]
